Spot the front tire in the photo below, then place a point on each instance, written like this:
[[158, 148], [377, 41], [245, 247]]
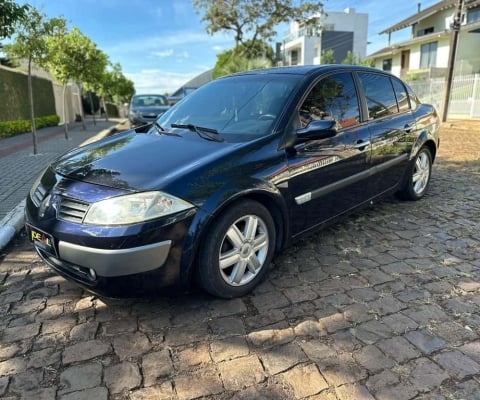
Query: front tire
[[235, 255], [418, 177]]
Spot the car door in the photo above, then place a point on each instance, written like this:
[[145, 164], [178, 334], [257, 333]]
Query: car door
[[391, 127], [329, 176]]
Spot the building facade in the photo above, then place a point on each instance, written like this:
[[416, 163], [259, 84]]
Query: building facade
[[426, 52], [338, 31]]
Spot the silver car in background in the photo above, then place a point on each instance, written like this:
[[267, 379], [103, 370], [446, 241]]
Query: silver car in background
[[145, 108]]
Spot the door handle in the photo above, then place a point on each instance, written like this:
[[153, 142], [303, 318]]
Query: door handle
[[360, 145], [408, 128]]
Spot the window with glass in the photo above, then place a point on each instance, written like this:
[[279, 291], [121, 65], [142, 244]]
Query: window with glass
[[473, 15], [333, 98], [428, 55], [379, 93], [401, 95], [387, 65]]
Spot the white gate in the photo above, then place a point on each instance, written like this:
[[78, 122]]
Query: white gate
[[464, 95]]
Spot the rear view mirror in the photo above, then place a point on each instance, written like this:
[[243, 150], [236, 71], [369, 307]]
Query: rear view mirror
[[317, 129]]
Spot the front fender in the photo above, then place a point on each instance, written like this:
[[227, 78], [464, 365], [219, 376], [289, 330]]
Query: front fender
[[262, 191]]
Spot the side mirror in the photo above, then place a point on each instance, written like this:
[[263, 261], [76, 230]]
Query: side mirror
[[317, 129]]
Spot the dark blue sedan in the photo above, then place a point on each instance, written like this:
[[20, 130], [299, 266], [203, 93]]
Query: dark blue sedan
[[229, 176]]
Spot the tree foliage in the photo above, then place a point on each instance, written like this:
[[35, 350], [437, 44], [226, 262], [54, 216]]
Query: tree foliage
[[351, 59], [240, 64], [75, 57], [246, 56], [31, 44], [11, 14], [253, 19], [115, 86], [327, 57]]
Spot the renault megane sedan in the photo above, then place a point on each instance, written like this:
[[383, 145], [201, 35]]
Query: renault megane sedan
[[223, 180]]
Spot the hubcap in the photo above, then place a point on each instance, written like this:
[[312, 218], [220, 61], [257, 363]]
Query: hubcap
[[421, 173], [243, 250]]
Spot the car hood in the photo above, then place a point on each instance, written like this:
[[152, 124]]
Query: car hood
[[139, 162]]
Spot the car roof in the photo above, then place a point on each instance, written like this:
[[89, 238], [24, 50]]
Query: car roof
[[148, 95], [310, 69]]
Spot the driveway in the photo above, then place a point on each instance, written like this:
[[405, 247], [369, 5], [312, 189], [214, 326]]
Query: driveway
[[383, 305]]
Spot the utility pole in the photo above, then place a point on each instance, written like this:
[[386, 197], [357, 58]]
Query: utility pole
[[457, 20]]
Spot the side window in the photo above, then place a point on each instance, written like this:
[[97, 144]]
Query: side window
[[414, 102], [333, 98], [378, 89], [401, 94]]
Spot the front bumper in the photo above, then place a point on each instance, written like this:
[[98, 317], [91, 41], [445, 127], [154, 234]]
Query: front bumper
[[110, 263], [114, 262]]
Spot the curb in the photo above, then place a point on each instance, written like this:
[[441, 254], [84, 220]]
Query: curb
[[14, 221], [12, 224]]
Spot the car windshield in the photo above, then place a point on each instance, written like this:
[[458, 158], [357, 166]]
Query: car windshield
[[239, 108], [150, 100]]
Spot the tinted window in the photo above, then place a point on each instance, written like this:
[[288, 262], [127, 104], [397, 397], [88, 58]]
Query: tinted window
[[401, 94], [335, 98], [381, 100], [414, 102]]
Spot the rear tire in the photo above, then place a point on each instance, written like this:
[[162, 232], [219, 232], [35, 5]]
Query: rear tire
[[235, 255], [418, 176]]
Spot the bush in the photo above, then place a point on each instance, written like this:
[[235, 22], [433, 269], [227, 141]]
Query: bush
[[112, 110], [12, 128]]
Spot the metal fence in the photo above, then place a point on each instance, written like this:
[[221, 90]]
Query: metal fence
[[464, 98]]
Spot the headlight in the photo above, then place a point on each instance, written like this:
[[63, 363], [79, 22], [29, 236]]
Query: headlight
[[134, 208]]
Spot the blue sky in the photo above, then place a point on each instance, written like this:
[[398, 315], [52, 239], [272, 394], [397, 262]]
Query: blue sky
[[161, 44]]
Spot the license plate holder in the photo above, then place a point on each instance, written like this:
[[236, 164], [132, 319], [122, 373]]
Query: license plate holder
[[41, 239]]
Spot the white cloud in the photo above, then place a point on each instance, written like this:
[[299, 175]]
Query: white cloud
[[164, 53], [218, 48], [183, 55], [145, 44], [159, 81]]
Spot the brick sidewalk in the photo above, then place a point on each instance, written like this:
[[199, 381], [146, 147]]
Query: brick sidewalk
[[20, 167]]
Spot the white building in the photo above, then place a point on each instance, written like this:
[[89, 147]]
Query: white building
[[426, 52], [340, 31]]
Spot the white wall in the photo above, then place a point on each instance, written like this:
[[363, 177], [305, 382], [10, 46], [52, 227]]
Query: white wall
[[347, 21]]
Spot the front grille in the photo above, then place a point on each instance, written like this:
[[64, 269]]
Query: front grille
[[72, 210], [39, 195]]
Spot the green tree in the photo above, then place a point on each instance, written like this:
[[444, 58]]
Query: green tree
[[76, 58], [327, 57], [31, 44], [240, 64], [11, 14], [351, 59], [115, 86], [259, 53], [253, 19]]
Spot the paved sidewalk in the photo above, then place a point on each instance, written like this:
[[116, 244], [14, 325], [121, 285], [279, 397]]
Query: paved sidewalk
[[19, 167]]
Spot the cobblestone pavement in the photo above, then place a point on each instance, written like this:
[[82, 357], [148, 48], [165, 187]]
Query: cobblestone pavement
[[383, 305]]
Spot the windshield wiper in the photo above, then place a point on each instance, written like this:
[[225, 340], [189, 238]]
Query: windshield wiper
[[162, 131], [205, 133]]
